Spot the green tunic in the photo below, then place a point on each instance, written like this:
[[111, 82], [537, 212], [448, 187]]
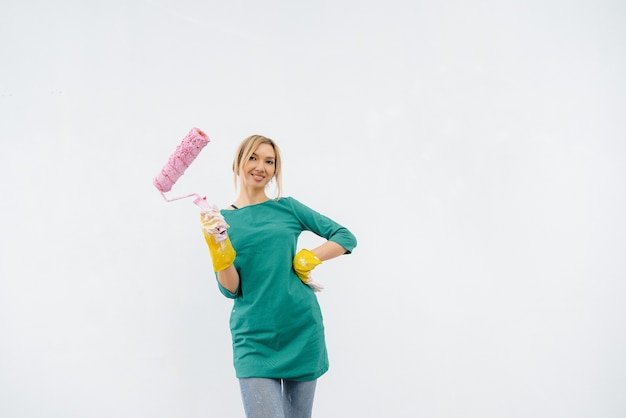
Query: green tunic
[[276, 322]]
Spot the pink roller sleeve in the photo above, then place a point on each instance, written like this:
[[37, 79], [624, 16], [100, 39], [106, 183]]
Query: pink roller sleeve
[[179, 161]]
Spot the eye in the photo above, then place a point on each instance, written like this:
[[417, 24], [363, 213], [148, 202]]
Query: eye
[[270, 162], [252, 158]]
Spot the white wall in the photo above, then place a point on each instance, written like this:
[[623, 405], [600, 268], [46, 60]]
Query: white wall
[[476, 149]]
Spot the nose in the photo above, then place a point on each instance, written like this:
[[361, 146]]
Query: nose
[[259, 166]]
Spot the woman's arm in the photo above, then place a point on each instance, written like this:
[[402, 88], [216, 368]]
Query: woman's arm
[[229, 278], [306, 260], [328, 250]]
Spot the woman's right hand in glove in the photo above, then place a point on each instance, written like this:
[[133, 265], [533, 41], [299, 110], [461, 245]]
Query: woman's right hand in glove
[[214, 228]]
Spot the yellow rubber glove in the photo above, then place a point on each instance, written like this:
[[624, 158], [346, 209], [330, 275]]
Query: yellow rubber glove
[[214, 230], [303, 263]]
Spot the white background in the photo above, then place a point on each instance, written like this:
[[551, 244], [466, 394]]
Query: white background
[[475, 148]]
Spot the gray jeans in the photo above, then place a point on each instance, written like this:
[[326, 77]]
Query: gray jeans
[[277, 398]]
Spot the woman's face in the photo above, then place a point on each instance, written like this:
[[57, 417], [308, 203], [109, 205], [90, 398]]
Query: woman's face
[[260, 168]]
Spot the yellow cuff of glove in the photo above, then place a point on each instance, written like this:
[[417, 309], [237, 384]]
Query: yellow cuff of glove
[[303, 263], [222, 253]]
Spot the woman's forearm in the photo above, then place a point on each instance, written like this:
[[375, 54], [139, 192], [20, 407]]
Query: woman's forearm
[[229, 278], [328, 250]]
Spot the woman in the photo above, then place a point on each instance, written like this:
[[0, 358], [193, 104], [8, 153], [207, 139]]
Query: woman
[[276, 323]]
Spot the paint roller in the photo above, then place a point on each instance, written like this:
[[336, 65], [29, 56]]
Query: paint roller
[[179, 161]]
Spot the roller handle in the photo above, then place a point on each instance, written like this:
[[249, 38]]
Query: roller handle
[[202, 203]]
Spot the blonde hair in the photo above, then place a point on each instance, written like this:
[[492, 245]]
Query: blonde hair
[[245, 151]]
